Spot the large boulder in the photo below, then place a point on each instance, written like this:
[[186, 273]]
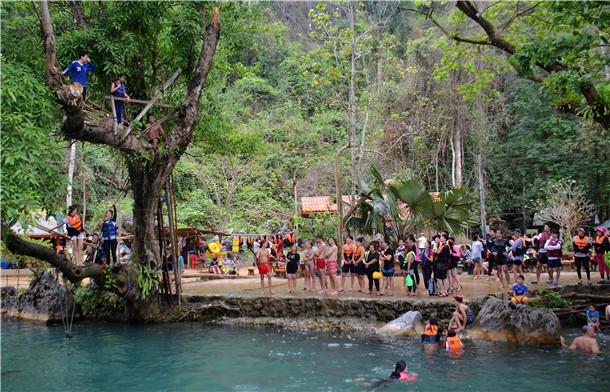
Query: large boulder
[[408, 324], [41, 301], [498, 322]]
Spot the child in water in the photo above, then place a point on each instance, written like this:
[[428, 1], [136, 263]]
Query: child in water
[[400, 373], [452, 342]]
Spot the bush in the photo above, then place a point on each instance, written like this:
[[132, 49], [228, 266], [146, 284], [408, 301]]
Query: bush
[[549, 299]]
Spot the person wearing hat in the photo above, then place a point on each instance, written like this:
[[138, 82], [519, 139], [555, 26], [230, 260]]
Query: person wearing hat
[[601, 245], [582, 245], [518, 250]]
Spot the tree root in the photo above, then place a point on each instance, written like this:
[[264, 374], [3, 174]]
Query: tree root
[[195, 313]]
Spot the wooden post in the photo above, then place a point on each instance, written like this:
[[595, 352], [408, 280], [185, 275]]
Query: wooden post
[[339, 205], [482, 195], [170, 216], [152, 101]]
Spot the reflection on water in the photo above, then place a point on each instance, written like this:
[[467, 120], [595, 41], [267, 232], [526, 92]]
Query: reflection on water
[[196, 356]]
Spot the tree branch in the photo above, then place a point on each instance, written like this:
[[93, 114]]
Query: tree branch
[[77, 11]]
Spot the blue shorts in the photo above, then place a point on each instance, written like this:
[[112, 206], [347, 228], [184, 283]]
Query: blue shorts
[[554, 263], [388, 273]]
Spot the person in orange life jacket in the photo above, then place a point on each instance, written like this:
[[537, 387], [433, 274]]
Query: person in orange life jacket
[[76, 233], [452, 342], [542, 254], [109, 236], [582, 246], [553, 248], [601, 245], [348, 263], [432, 332], [117, 89], [400, 373], [359, 262]]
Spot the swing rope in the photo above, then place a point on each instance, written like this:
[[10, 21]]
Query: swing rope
[[66, 320]]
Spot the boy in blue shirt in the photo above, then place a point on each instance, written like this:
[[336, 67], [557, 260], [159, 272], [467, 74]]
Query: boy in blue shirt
[[593, 318], [520, 292], [78, 70]]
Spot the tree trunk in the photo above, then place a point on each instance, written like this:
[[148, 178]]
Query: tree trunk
[[77, 12], [352, 104], [339, 204], [148, 168]]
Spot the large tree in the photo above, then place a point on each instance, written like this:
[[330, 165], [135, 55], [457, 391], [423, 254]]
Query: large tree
[[560, 44], [148, 168]]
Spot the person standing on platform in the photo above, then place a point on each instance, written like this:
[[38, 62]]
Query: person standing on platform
[[78, 70], [117, 89], [543, 254], [264, 269], [75, 230], [109, 236], [154, 131]]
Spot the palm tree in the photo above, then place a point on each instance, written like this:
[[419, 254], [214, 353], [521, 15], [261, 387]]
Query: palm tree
[[396, 208]]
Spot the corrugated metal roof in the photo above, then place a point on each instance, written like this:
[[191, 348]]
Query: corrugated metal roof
[[319, 204]]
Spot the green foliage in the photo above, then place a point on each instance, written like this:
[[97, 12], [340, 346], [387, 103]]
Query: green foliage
[[31, 155], [34, 264], [397, 207], [549, 299], [324, 224], [148, 280], [96, 302], [109, 279]]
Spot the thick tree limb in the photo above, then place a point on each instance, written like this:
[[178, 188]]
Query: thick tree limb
[[601, 109], [77, 12], [17, 245]]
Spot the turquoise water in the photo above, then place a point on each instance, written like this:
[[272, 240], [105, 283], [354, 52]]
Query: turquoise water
[[204, 357]]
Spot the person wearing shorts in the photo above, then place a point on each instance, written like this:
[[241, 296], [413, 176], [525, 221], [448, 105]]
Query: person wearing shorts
[[387, 260], [359, 258], [542, 254], [310, 274], [74, 226], [553, 247], [320, 255], [348, 263], [499, 250], [292, 267], [489, 243], [331, 265], [264, 269]]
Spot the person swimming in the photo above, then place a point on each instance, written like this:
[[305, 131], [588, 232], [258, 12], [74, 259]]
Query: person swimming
[[432, 333], [400, 373]]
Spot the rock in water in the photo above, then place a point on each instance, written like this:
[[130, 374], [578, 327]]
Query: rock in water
[[39, 302], [407, 324], [498, 322]]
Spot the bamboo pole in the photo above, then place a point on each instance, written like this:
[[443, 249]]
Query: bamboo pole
[[132, 100], [59, 234], [152, 101]]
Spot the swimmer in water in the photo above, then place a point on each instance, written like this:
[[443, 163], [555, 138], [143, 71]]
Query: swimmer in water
[[586, 342], [400, 373]]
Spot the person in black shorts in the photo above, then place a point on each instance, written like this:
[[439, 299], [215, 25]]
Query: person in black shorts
[[491, 259], [387, 260], [292, 266], [500, 253], [348, 263]]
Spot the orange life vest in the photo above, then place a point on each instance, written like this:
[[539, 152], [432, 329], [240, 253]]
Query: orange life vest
[[75, 225], [431, 330], [290, 238], [581, 243], [358, 251], [348, 249], [454, 342]]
